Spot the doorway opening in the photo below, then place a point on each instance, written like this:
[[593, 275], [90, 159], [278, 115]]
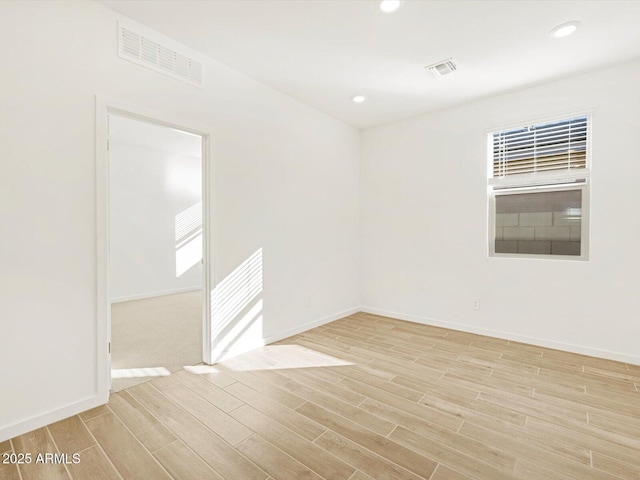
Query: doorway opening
[[156, 236]]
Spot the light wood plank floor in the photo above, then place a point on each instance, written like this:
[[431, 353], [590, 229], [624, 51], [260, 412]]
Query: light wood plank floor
[[362, 398]]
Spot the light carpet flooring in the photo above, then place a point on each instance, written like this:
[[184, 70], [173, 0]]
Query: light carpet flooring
[[160, 332], [362, 398]]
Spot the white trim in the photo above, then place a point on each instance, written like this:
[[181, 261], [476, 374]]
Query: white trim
[[560, 180], [542, 179], [103, 294], [584, 112], [152, 116], [541, 342], [208, 249], [105, 107], [584, 234], [50, 417], [225, 355], [309, 325], [162, 293]]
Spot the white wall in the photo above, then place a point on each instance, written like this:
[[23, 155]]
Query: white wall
[[424, 223], [286, 182], [155, 189]]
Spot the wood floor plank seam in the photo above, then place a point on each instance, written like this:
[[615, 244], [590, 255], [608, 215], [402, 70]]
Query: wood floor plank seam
[[209, 395], [183, 463], [282, 452], [591, 442], [331, 389], [98, 443], [40, 441], [126, 427], [12, 472], [66, 467], [53, 440], [353, 428], [456, 446], [177, 440], [341, 410], [410, 407], [449, 444], [351, 419], [622, 469], [87, 448], [443, 472], [368, 452], [322, 462], [512, 443], [92, 413], [408, 438], [215, 419], [13, 450], [187, 412], [196, 453], [310, 431]]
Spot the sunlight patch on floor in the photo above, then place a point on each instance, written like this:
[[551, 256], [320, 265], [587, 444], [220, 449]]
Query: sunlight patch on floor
[[275, 357], [202, 369]]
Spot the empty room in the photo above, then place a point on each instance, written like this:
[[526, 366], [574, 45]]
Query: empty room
[[319, 239]]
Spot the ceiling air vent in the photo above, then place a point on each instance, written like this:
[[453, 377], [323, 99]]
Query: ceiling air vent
[[153, 50], [441, 69]]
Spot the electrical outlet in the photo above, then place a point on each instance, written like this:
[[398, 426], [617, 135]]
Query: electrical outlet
[[475, 303], [307, 301]]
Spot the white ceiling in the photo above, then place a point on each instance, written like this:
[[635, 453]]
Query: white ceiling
[[323, 52]]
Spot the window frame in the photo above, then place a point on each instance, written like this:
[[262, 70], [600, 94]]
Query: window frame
[[584, 224], [542, 182]]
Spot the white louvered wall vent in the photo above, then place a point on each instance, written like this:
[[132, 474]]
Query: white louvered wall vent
[[153, 50], [443, 68]]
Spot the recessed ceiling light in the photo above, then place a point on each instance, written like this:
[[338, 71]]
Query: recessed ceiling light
[[565, 29], [389, 6], [359, 98]]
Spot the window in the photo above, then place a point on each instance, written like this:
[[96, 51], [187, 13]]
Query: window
[[538, 189]]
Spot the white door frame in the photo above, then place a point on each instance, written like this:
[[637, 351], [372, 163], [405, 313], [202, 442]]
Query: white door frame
[[105, 107]]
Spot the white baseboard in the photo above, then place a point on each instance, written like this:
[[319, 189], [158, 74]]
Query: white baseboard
[[309, 325], [154, 294], [541, 342], [24, 426], [225, 355]]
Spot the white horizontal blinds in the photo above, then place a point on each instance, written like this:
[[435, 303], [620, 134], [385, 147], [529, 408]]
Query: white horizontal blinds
[[559, 145]]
